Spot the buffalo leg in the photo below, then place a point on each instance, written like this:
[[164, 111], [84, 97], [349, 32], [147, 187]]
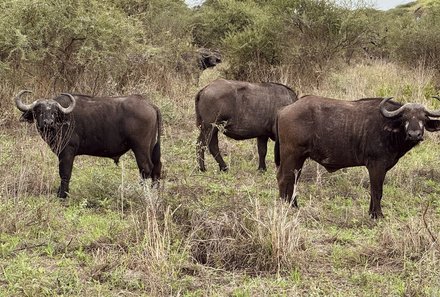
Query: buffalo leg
[[155, 174], [157, 164], [214, 150], [65, 170], [144, 162], [262, 151], [377, 177], [288, 175], [209, 138], [201, 146]]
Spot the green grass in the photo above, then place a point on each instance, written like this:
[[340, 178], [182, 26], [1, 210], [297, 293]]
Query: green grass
[[212, 233]]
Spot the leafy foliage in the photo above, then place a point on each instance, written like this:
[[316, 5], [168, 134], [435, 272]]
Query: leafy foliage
[[415, 39], [62, 41], [305, 36]]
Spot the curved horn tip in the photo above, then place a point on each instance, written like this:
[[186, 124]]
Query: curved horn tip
[[385, 99], [389, 114], [436, 97], [24, 91], [20, 105], [70, 108]]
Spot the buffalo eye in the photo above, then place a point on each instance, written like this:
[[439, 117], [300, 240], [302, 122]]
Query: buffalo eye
[[394, 126]]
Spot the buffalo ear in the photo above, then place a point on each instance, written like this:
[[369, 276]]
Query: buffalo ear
[[393, 126], [27, 116], [432, 125]]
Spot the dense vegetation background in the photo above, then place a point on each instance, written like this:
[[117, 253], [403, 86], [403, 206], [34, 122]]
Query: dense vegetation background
[[214, 234]]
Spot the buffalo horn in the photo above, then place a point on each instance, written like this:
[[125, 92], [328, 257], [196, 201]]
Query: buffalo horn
[[20, 105], [389, 114], [70, 108]]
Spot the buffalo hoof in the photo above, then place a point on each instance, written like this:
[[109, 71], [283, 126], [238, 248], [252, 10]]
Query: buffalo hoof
[[155, 184], [262, 169], [294, 203], [61, 194], [202, 169], [376, 215], [224, 168]]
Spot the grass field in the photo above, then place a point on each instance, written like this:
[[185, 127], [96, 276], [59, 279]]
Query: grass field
[[220, 234]]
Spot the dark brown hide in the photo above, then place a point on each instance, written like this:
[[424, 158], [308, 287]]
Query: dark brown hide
[[339, 134], [207, 58], [102, 127], [245, 110]]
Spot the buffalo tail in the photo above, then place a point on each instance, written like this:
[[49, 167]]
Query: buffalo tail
[[277, 145], [156, 148], [198, 117]]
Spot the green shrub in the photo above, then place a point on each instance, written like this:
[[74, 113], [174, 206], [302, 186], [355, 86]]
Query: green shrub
[[61, 40], [263, 40], [415, 39]]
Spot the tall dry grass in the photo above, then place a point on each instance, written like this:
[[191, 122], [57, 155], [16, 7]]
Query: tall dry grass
[[379, 79]]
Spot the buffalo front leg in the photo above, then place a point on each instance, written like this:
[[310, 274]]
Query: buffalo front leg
[[65, 169], [377, 177], [288, 175], [262, 151]]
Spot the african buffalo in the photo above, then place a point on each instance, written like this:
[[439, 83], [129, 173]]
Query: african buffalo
[[98, 126], [245, 110], [192, 63], [371, 132], [207, 58]]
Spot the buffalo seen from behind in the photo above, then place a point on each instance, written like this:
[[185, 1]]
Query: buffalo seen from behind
[[98, 126], [244, 110], [374, 133]]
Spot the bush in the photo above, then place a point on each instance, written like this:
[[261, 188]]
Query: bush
[[264, 39], [415, 39], [59, 42]]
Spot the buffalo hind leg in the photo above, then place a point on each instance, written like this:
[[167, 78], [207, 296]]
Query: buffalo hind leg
[[288, 175], [65, 170], [377, 177], [214, 150], [262, 151], [202, 141], [209, 138], [157, 165], [144, 162]]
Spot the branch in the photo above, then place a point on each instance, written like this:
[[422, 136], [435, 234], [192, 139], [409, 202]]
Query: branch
[[26, 247], [434, 239]]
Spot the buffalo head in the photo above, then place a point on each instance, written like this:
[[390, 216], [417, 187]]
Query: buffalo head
[[413, 118], [208, 58], [47, 112]]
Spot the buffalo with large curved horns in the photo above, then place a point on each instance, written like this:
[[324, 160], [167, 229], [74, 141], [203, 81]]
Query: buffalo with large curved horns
[[98, 126], [372, 132]]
